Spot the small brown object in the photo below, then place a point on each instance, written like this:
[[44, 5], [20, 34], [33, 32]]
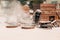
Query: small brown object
[[11, 26], [27, 27]]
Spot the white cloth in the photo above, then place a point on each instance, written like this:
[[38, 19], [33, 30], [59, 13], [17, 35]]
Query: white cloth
[[31, 11], [38, 10]]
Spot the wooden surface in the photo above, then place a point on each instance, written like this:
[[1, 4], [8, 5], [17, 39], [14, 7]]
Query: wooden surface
[[47, 11]]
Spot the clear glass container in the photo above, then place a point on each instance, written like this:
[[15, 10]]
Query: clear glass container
[[16, 15]]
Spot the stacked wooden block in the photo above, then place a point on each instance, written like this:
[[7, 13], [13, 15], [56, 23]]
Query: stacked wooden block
[[47, 11], [58, 13], [47, 7]]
